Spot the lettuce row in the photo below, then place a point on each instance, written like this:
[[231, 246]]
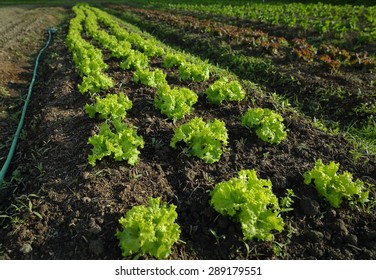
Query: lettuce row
[[335, 187], [268, 124], [204, 140], [87, 58], [147, 46], [250, 201], [149, 230]]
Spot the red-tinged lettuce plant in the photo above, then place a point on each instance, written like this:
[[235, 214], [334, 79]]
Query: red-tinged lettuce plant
[[122, 144], [336, 187], [175, 103], [194, 72], [268, 124], [250, 201], [149, 230], [173, 60], [135, 60], [223, 90], [113, 106], [204, 140], [154, 79]]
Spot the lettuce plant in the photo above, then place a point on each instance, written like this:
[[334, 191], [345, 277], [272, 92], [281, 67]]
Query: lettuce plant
[[173, 60], [335, 187], [95, 82], [204, 140], [150, 48], [175, 103], [194, 72], [135, 60], [250, 201], [268, 124], [154, 79], [223, 90], [121, 145], [149, 230], [121, 50], [113, 106]]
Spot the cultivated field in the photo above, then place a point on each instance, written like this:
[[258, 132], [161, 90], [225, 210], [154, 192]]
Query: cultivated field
[[108, 127]]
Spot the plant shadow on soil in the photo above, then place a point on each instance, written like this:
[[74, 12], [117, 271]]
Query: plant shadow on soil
[[80, 205]]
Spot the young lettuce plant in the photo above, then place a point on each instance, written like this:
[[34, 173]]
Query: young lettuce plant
[[154, 79], [173, 60], [250, 201], [336, 187], [175, 103], [122, 50], [150, 48], [268, 124], [113, 106], [204, 140], [194, 72], [95, 82], [223, 90], [135, 60], [149, 230], [122, 145]]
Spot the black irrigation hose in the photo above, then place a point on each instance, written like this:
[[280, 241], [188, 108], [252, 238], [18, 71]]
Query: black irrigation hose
[[20, 124]]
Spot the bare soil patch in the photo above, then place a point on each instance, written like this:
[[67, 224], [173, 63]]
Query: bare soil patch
[[22, 34]]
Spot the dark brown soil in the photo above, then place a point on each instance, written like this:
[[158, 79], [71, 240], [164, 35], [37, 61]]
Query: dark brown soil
[[22, 34], [80, 205]]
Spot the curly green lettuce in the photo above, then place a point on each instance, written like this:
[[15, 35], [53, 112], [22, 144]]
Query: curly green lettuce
[[175, 103], [268, 124], [223, 90], [135, 60], [113, 106], [204, 140], [335, 187], [250, 201], [173, 60], [121, 145], [149, 230], [154, 79], [194, 72]]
